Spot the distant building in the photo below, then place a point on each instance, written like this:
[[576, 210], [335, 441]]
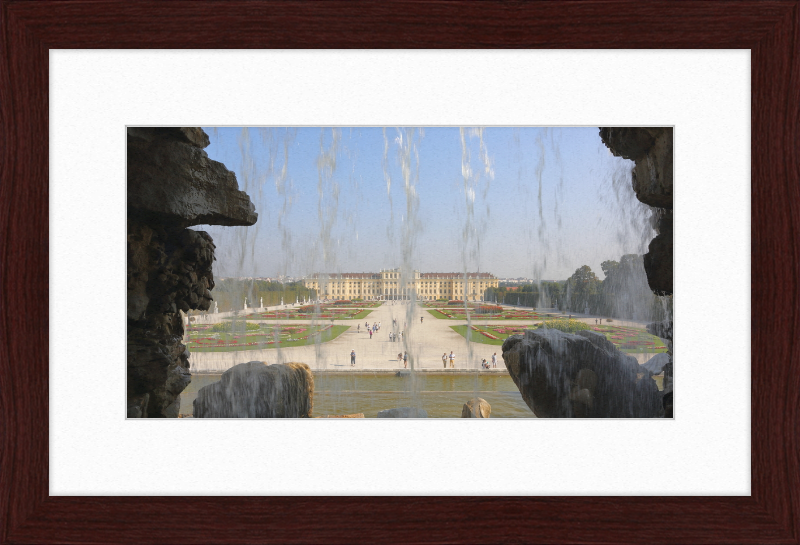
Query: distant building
[[390, 284]]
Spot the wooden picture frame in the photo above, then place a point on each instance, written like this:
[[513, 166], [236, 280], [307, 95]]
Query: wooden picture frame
[[770, 29]]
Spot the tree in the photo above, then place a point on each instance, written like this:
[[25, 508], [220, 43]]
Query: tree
[[582, 289]]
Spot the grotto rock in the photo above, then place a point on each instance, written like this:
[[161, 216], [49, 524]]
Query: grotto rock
[[403, 412], [257, 390], [172, 184], [171, 179], [476, 407], [583, 375], [650, 148]]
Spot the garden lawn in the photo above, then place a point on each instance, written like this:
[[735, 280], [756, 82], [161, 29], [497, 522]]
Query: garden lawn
[[228, 342], [506, 314], [628, 340]]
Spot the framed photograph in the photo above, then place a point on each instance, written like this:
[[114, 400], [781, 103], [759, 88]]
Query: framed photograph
[[384, 499]]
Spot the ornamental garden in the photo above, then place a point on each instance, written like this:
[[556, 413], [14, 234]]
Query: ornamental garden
[[488, 312], [334, 311], [626, 339], [230, 337]]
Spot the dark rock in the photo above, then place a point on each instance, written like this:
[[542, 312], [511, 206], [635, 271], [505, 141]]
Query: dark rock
[[655, 365], [581, 375], [652, 178], [172, 184], [651, 150], [403, 412], [662, 330], [258, 390], [172, 180], [476, 407]]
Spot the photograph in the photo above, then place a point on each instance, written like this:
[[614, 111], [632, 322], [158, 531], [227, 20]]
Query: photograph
[[399, 272]]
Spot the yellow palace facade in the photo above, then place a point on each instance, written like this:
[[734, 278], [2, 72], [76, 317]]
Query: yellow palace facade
[[392, 284]]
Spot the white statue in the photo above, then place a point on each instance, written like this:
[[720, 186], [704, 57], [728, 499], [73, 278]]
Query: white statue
[[281, 301], [216, 308], [262, 303], [245, 303]]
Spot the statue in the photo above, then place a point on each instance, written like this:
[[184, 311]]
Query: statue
[[216, 308], [245, 303], [262, 303]]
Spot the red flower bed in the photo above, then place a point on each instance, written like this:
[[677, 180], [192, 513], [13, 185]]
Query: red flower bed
[[489, 309]]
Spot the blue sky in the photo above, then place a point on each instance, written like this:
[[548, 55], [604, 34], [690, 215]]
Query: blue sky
[[534, 202]]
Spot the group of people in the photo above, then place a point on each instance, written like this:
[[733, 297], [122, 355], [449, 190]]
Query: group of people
[[452, 359], [486, 365], [371, 329], [395, 337]]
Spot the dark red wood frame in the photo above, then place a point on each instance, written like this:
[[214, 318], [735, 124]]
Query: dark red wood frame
[[31, 28]]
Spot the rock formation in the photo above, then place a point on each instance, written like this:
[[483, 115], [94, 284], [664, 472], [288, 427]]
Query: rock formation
[[476, 407], [579, 376], [257, 390], [651, 150], [403, 412], [664, 330], [172, 184]]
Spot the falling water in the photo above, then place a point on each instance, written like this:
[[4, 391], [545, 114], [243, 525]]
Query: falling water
[[544, 247]]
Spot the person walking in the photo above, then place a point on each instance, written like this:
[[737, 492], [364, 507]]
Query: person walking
[[352, 358], [370, 334], [494, 359], [405, 360], [444, 360], [359, 328], [420, 319], [452, 360], [399, 358]]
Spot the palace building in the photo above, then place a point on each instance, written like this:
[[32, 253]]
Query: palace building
[[392, 284]]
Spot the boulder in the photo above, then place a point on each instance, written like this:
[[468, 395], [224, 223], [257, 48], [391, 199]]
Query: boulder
[[583, 375], [403, 412], [476, 408], [656, 364], [257, 390]]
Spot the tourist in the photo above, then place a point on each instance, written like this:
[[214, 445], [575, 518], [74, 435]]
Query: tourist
[[452, 360], [391, 337], [444, 360], [405, 360], [484, 364], [494, 359], [359, 328], [420, 319], [370, 334], [399, 358], [379, 326], [352, 358]]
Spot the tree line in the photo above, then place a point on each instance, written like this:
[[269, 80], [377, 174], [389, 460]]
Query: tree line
[[229, 293], [624, 292]]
